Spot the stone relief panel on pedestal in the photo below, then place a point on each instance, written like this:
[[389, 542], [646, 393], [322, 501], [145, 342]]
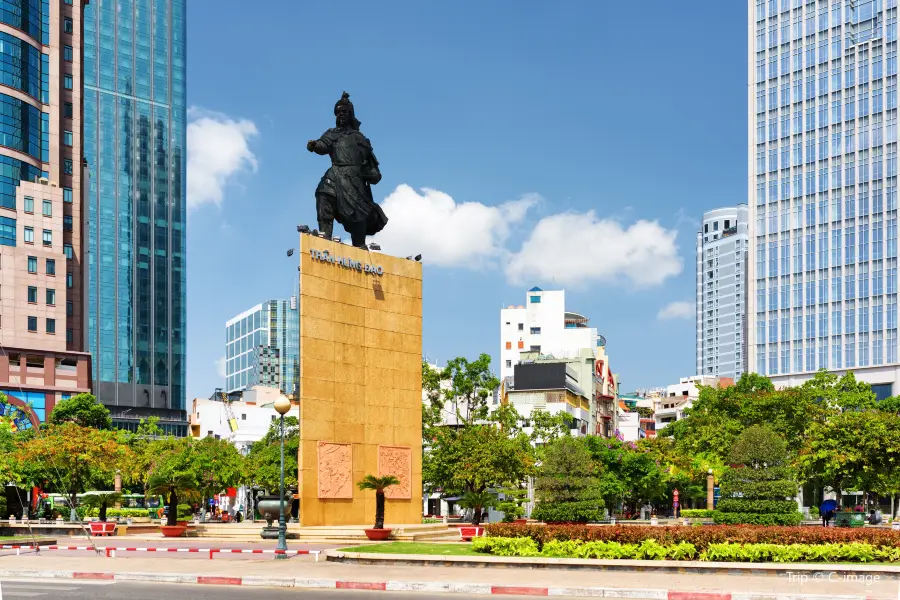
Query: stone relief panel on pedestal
[[396, 461], [335, 470]]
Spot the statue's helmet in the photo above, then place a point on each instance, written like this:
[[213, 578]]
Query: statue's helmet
[[345, 101]]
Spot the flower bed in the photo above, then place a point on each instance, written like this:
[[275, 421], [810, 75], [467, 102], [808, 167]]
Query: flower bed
[[651, 549], [700, 537]]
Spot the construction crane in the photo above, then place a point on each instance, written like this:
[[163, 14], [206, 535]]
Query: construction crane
[[229, 414]]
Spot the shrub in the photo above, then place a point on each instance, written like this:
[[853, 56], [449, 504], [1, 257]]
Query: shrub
[[861, 552], [568, 512], [184, 512], [752, 518], [700, 537], [742, 505], [697, 513], [499, 546]]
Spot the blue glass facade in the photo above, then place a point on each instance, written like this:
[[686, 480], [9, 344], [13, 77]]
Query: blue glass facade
[[262, 347], [134, 136], [823, 115]]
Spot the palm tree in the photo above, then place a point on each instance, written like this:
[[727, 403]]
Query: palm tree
[[477, 501], [102, 500], [172, 486], [379, 484]]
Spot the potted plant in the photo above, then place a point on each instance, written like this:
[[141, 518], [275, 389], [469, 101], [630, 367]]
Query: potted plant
[[171, 487], [379, 484], [477, 501], [101, 501]]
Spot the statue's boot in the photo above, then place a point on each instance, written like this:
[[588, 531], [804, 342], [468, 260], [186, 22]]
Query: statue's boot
[[326, 229]]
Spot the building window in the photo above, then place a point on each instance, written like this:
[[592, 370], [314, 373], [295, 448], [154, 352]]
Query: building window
[[29, 235], [51, 297], [29, 204], [508, 365], [67, 81], [67, 25], [32, 323], [536, 349], [67, 53], [69, 2], [535, 299], [67, 222], [727, 223], [32, 264], [7, 231], [70, 282], [32, 295], [67, 166], [68, 139], [70, 308], [51, 266], [521, 326], [48, 208], [51, 325], [67, 195], [47, 237], [68, 111], [67, 249], [535, 331], [70, 336]]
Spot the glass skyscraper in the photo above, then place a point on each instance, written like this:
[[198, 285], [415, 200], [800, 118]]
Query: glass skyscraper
[[722, 292], [823, 189], [134, 137], [262, 347]]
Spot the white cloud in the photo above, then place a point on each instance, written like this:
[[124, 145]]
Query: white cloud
[[218, 148], [447, 233], [677, 310], [220, 367], [577, 249]]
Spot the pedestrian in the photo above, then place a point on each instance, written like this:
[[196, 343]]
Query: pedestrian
[[827, 517]]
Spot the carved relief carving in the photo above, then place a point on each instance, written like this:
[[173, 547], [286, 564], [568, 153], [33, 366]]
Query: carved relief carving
[[335, 470], [396, 461]]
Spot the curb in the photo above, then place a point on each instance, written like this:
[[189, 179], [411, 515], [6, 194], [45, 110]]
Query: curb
[[479, 589], [808, 571]]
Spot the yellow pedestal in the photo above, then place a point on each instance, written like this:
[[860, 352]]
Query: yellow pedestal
[[360, 383]]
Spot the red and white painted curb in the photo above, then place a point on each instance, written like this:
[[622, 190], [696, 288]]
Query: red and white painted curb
[[481, 589], [111, 550]]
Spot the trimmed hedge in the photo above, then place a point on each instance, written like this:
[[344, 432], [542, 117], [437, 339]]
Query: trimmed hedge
[[752, 518], [742, 505], [697, 513], [700, 537], [567, 512], [650, 549]]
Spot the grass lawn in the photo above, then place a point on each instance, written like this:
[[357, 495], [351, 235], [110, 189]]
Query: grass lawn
[[417, 548]]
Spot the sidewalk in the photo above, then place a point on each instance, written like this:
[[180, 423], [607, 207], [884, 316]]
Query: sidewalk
[[303, 572]]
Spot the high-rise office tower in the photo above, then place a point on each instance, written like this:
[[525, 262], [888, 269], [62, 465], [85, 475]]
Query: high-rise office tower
[[262, 347], [41, 307], [134, 138], [822, 185], [722, 292]]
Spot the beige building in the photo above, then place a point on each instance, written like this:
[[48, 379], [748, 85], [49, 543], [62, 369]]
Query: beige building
[[41, 172]]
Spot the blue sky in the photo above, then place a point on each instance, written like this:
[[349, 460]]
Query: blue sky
[[562, 144]]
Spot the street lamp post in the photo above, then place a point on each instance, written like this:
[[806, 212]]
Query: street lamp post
[[282, 405]]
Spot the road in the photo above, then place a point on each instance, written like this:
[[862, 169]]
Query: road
[[79, 590]]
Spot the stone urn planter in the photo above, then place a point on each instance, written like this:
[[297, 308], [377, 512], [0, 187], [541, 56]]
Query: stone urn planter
[[172, 530], [269, 508], [654, 521], [378, 535]]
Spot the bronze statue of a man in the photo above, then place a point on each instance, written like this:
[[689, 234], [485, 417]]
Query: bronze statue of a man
[[345, 191]]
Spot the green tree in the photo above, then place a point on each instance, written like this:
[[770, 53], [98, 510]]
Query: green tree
[[72, 458], [378, 485], [216, 465], [567, 487], [856, 449], [758, 446], [264, 460], [174, 477], [471, 384], [101, 500], [844, 393], [83, 410], [477, 501]]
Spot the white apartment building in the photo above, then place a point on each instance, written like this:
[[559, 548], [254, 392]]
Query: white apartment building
[[253, 416], [822, 189], [722, 292], [542, 325], [680, 396]]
